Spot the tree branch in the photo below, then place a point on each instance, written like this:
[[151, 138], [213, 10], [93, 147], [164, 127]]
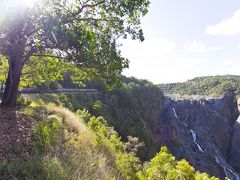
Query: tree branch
[[85, 5], [48, 55]]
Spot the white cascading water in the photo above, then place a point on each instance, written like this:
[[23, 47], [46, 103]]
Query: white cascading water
[[228, 172], [194, 136], [175, 114]]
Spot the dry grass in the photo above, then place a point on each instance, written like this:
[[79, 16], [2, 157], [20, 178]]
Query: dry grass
[[75, 153], [80, 157], [69, 117]]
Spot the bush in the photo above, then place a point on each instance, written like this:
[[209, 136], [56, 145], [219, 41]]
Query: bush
[[164, 167], [53, 169], [48, 133], [129, 165], [23, 102]]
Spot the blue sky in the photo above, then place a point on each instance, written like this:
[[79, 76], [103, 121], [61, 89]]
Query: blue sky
[[185, 39]]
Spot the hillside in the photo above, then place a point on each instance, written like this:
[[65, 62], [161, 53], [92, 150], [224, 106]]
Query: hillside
[[66, 145], [208, 85], [131, 132], [133, 109]]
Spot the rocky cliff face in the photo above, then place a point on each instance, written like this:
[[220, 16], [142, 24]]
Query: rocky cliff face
[[204, 132]]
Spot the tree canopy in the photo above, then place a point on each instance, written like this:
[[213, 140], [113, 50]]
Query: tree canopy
[[80, 32]]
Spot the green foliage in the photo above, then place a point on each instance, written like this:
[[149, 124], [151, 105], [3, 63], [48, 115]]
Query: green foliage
[[209, 85], [106, 135], [108, 139], [48, 133], [19, 168], [40, 70], [45, 73], [203, 176], [133, 110], [83, 115], [29, 111], [52, 35], [54, 169], [97, 106], [65, 101], [161, 165], [23, 102], [164, 166], [66, 149], [3, 70], [182, 171], [61, 153], [128, 165]]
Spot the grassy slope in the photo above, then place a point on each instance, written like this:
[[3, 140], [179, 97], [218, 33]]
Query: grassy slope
[[80, 146], [132, 110], [63, 148]]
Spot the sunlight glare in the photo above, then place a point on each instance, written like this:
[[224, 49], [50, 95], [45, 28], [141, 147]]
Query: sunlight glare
[[28, 3]]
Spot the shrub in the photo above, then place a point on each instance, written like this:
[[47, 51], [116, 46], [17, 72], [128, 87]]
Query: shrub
[[53, 169], [23, 102], [128, 165], [48, 133]]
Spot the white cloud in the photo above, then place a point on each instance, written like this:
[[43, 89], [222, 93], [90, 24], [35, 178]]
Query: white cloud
[[159, 61], [214, 48], [228, 26], [228, 62], [238, 46], [197, 47]]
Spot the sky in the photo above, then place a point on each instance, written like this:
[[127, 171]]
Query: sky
[[186, 39]]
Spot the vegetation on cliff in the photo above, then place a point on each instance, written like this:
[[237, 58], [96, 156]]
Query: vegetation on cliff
[[133, 110], [67, 145]]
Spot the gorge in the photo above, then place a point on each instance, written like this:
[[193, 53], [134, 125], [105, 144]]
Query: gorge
[[204, 131]]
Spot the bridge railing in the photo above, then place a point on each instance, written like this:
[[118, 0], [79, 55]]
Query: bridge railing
[[29, 91]]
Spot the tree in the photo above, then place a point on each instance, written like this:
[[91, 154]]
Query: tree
[[161, 165], [81, 32], [3, 71]]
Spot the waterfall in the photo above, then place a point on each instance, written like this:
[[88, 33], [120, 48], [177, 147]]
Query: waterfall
[[175, 114], [194, 136], [216, 159], [228, 172], [227, 169]]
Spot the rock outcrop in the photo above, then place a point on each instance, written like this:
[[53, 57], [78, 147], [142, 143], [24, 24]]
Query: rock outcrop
[[204, 132], [234, 152]]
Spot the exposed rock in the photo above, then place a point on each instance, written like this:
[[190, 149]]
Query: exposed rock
[[234, 155], [201, 131]]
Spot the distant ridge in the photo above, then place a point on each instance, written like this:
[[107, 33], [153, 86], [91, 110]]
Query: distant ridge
[[207, 86]]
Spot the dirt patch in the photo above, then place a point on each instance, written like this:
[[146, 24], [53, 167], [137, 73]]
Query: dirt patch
[[16, 135]]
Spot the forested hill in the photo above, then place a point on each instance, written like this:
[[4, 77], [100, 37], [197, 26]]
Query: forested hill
[[207, 85], [108, 135]]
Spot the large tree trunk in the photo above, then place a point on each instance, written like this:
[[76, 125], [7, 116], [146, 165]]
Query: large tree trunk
[[11, 86], [17, 57]]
